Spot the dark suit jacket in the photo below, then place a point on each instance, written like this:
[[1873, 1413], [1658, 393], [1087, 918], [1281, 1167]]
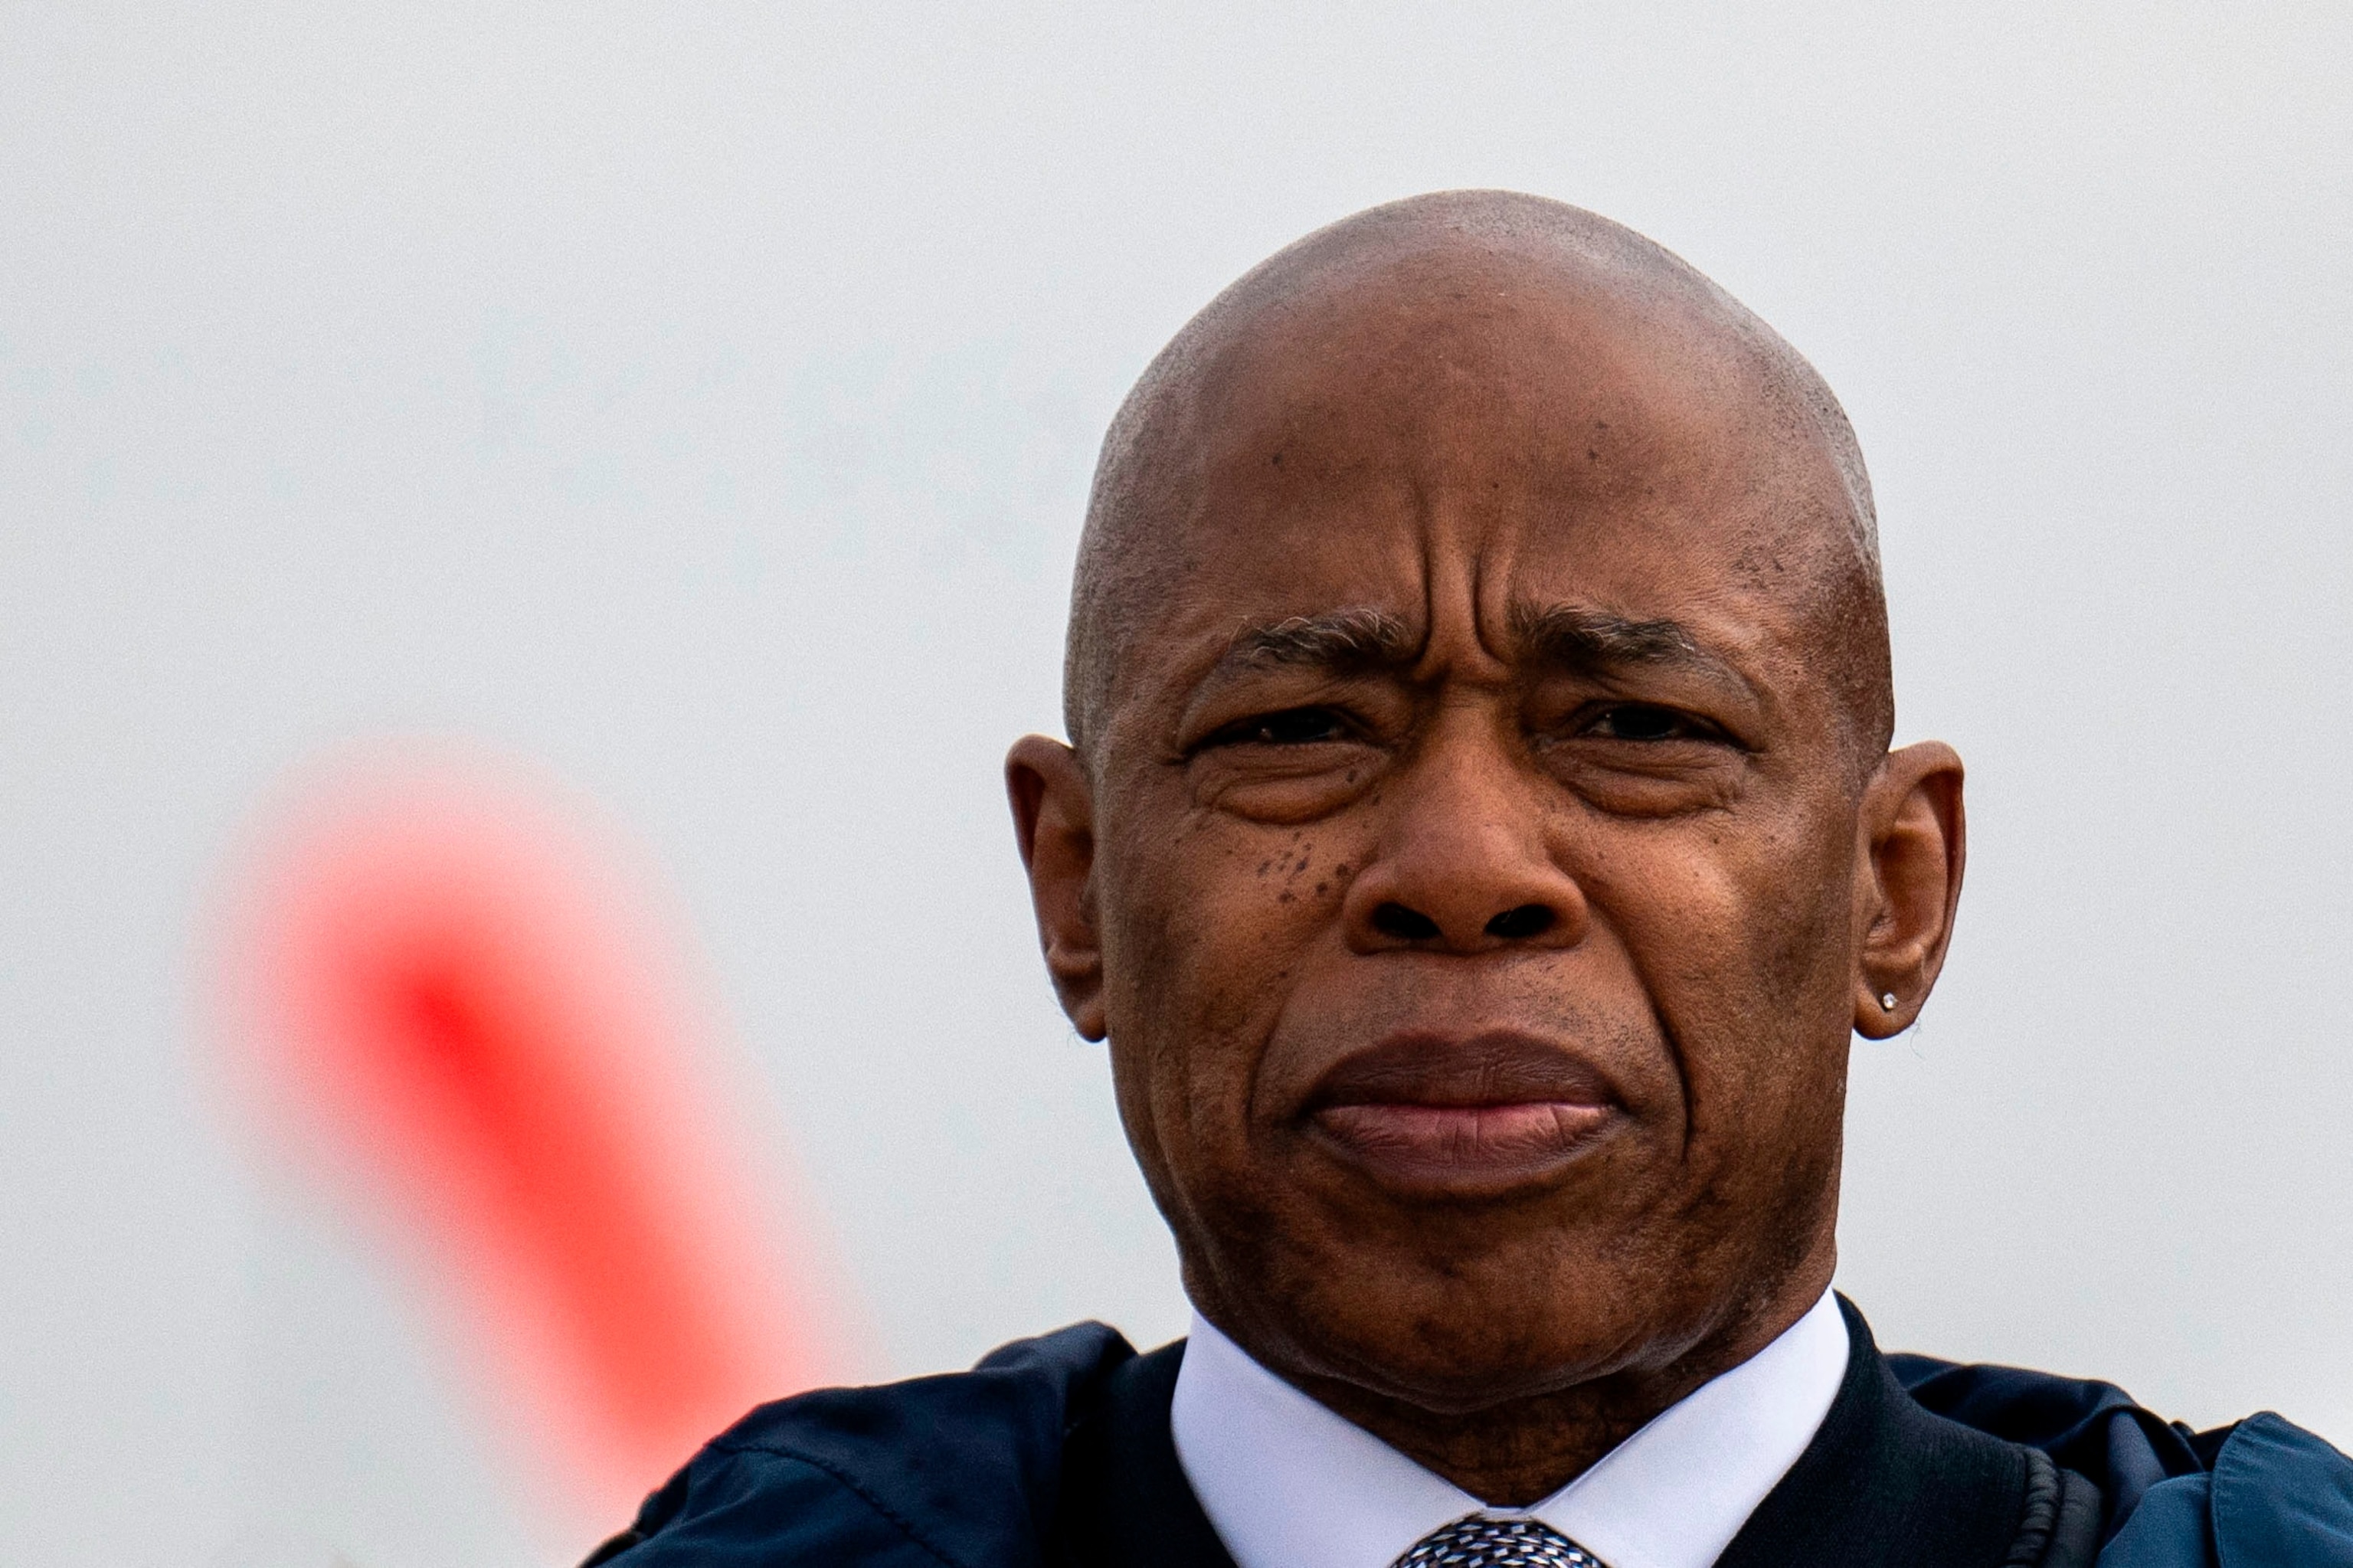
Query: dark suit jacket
[[1055, 1453]]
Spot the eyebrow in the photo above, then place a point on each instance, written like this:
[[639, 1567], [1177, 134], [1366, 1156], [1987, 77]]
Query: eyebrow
[[1363, 640], [1594, 640], [1340, 640]]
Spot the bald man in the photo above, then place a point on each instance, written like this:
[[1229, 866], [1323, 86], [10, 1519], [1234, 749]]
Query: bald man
[[1479, 843]]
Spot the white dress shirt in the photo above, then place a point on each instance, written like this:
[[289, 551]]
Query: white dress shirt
[[1288, 1483]]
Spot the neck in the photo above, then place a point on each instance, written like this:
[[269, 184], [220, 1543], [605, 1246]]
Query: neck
[[1519, 1451]]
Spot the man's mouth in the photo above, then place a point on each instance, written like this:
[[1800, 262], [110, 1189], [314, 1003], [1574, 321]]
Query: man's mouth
[[1474, 1116]]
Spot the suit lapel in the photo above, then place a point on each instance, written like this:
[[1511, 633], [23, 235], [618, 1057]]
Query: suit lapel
[[1884, 1482], [1125, 1502]]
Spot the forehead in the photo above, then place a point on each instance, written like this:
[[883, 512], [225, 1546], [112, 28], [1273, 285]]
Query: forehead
[[1483, 434]]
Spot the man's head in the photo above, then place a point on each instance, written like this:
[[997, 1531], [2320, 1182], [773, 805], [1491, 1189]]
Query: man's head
[[1479, 838]]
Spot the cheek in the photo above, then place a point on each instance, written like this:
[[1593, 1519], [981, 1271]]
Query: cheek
[[1214, 924], [1741, 938], [1213, 907], [1804, 943]]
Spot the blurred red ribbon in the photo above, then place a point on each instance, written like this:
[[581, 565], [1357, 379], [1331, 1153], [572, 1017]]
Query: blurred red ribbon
[[451, 1003]]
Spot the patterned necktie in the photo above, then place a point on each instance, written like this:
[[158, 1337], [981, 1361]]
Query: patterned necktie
[[1476, 1542]]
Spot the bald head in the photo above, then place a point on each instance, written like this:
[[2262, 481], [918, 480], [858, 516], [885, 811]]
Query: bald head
[[1533, 319]]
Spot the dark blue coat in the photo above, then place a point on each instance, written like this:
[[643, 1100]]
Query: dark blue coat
[[1054, 1453]]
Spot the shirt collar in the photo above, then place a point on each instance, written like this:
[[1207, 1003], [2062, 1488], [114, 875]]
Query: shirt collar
[[1286, 1483]]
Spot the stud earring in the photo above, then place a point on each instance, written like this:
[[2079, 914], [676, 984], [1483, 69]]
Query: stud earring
[[1887, 1001]]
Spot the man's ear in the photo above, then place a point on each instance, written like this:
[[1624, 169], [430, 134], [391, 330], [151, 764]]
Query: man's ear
[[1908, 883], [1054, 819]]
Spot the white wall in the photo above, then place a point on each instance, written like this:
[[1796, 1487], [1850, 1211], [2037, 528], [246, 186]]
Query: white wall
[[700, 400]]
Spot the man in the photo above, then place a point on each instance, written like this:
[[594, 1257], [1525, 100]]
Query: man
[[1478, 842]]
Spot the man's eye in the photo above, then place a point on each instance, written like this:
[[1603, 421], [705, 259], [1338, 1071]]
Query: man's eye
[[1292, 726], [1638, 721]]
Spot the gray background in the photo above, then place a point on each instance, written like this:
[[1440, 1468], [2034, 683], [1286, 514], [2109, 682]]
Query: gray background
[[699, 400]]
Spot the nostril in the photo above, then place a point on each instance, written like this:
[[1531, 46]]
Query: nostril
[[1401, 924], [1518, 924]]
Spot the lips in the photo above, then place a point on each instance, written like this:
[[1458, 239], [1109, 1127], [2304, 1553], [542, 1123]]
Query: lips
[[1475, 1115]]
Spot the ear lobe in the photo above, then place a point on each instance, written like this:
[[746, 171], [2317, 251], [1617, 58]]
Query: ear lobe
[[1053, 822], [1908, 880]]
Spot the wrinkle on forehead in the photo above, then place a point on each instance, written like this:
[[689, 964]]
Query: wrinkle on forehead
[[1357, 343]]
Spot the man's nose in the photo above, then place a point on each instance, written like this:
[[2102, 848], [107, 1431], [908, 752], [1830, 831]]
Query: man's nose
[[1464, 863]]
